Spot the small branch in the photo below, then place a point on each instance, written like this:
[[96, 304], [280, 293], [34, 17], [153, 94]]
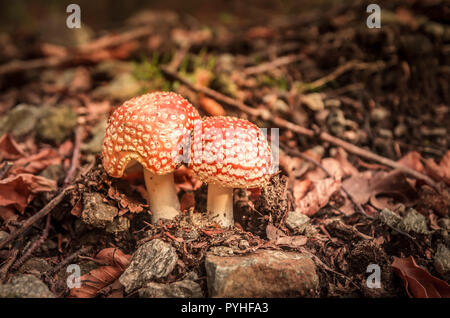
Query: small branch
[[36, 217], [66, 261], [341, 70], [75, 164], [33, 246], [280, 122], [98, 44], [264, 67], [5, 268]]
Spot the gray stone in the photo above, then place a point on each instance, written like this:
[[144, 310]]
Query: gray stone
[[123, 86], [96, 142], [154, 259], [34, 266], [221, 250], [119, 224], [96, 212], [390, 218], [265, 273], [379, 114], [3, 235], [57, 124], [297, 222], [181, 289], [442, 261], [21, 120], [415, 222], [25, 286], [313, 101]]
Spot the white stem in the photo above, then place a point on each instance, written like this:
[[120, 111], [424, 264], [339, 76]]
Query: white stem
[[220, 205], [162, 196]]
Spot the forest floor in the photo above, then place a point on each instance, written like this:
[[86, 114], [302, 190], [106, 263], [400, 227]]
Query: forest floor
[[363, 118]]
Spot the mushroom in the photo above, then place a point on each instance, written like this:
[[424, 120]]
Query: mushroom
[[227, 153], [152, 130]]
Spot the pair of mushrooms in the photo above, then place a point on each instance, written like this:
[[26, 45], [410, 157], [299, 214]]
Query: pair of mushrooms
[[162, 130]]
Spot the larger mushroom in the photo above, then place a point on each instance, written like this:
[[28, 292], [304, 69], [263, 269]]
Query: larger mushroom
[[228, 153], [152, 130]]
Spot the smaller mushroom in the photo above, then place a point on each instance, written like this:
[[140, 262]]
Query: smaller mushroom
[[228, 153], [152, 130]]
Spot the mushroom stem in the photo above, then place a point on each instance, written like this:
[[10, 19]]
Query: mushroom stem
[[220, 205], [162, 196]]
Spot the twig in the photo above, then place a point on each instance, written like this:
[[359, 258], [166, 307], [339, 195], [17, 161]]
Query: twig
[[5, 268], [54, 61], [37, 216], [75, 156], [264, 67], [66, 261], [341, 70], [280, 122], [33, 246]]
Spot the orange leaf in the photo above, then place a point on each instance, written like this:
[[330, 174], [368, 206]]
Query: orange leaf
[[212, 107], [318, 197], [418, 282], [103, 276]]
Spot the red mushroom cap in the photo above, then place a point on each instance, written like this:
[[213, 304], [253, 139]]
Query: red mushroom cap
[[231, 152], [149, 129]]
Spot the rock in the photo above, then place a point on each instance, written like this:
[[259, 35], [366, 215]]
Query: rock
[[96, 142], [154, 259], [57, 124], [244, 244], [111, 68], [297, 222], [53, 172], [442, 261], [379, 114], [415, 222], [265, 273], [221, 250], [181, 289], [3, 235], [385, 133], [313, 101], [390, 218], [96, 212], [20, 121], [25, 286], [336, 121], [35, 266], [123, 86], [119, 224]]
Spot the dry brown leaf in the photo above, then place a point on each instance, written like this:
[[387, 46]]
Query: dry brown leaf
[[347, 168], [301, 187], [391, 188], [418, 282], [36, 163], [359, 187], [18, 191], [441, 171], [185, 180], [9, 149], [279, 238], [187, 201], [318, 197], [103, 276], [412, 160]]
